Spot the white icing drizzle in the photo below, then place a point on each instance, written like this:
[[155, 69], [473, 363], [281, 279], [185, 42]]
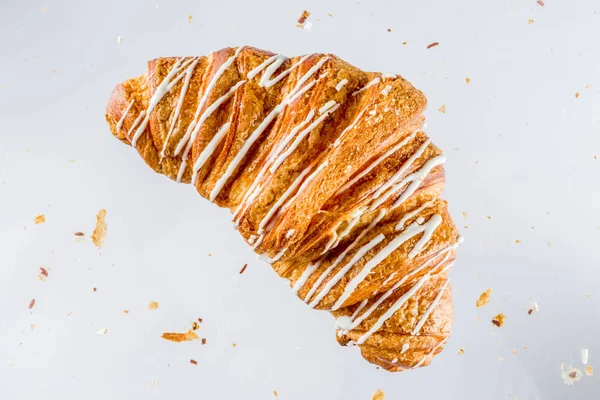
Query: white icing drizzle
[[416, 178], [310, 269], [281, 201], [338, 141], [266, 80], [397, 305], [395, 360], [252, 238], [120, 123], [430, 309], [357, 256], [263, 125], [388, 75], [341, 84], [283, 156], [262, 66], [209, 150], [412, 230], [184, 89], [327, 106], [367, 86], [290, 233], [405, 347], [376, 162], [254, 188], [359, 308], [342, 272], [386, 90], [163, 88]]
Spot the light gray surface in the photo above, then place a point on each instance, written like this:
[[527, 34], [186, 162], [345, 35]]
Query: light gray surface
[[520, 149]]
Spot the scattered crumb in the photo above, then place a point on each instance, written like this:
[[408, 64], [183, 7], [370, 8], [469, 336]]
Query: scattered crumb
[[203, 340], [69, 314], [275, 393], [584, 356], [525, 348], [32, 327], [464, 214], [180, 337], [43, 10], [102, 331], [468, 80], [548, 244], [153, 305], [466, 226], [100, 231], [484, 298], [192, 361], [442, 109], [530, 21], [190, 19], [577, 95], [489, 217], [126, 311], [589, 370], [500, 358], [200, 320], [404, 43], [303, 21], [433, 45], [331, 15], [40, 219], [31, 303], [571, 375], [461, 351], [378, 395], [95, 290], [498, 320], [540, 2], [153, 383], [79, 234], [43, 274], [234, 345], [389, 30], [514, 351], [518, 241], [195, 326], [243, 268], [119, 40]]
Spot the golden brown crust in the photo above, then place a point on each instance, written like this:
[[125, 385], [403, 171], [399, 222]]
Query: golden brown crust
[[328, 175]]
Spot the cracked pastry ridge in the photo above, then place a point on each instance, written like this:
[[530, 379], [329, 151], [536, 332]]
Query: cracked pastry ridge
[[328, 174]]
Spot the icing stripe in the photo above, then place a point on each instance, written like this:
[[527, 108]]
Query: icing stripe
[[341, 84], [430, 309], [342, 272], [258, 131], [367, 86], [267, 81], [209, 150], [308, 271], [412, 230], [416, 178], [338, 141], [120, 123]]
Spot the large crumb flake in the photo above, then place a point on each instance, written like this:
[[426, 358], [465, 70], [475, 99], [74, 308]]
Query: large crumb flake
[[461, 351], [153, 305], [433, 45], [43, 274], [100, 231], [31, 304], [40, 219], [303, 21], [541, 3], [180, 337], [498, 320], [484, 298], [275, 393], [571, 375], [378, 395]]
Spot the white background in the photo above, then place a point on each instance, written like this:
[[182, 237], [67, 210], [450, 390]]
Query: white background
[[521, 149]]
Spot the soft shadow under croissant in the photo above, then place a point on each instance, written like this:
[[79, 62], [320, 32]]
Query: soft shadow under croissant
[[329, 177]]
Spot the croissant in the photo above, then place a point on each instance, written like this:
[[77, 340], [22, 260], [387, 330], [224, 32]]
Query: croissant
[[328, 174]]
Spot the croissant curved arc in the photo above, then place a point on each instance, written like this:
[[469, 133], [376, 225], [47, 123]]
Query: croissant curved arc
[[328, 174]]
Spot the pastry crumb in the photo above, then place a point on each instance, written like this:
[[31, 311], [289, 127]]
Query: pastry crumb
[[389, 29], [464, 214], [530, 21], [190, 19], [404, 43], [203, 340], [31, 304], [541, 3], [498, 320], [589, 370], [126, 311], [153, 305], [99, 233], [275, 393], [378, 395], [40, 219], [119, 40], [442, 109], [461, 351], [95, 290], [43, 274], [433, 45], [195, 326], [192, 361], [180, 337], [500, 358], [303, 21], [102, 331], [577, 95], [484, 298], [243, 268], [571, 375], [234, 345], [514, 351], [468, 80], [517, 241], [153, 383], [79, 234]]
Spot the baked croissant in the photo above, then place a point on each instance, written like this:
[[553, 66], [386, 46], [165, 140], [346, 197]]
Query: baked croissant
[[329, 177]]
